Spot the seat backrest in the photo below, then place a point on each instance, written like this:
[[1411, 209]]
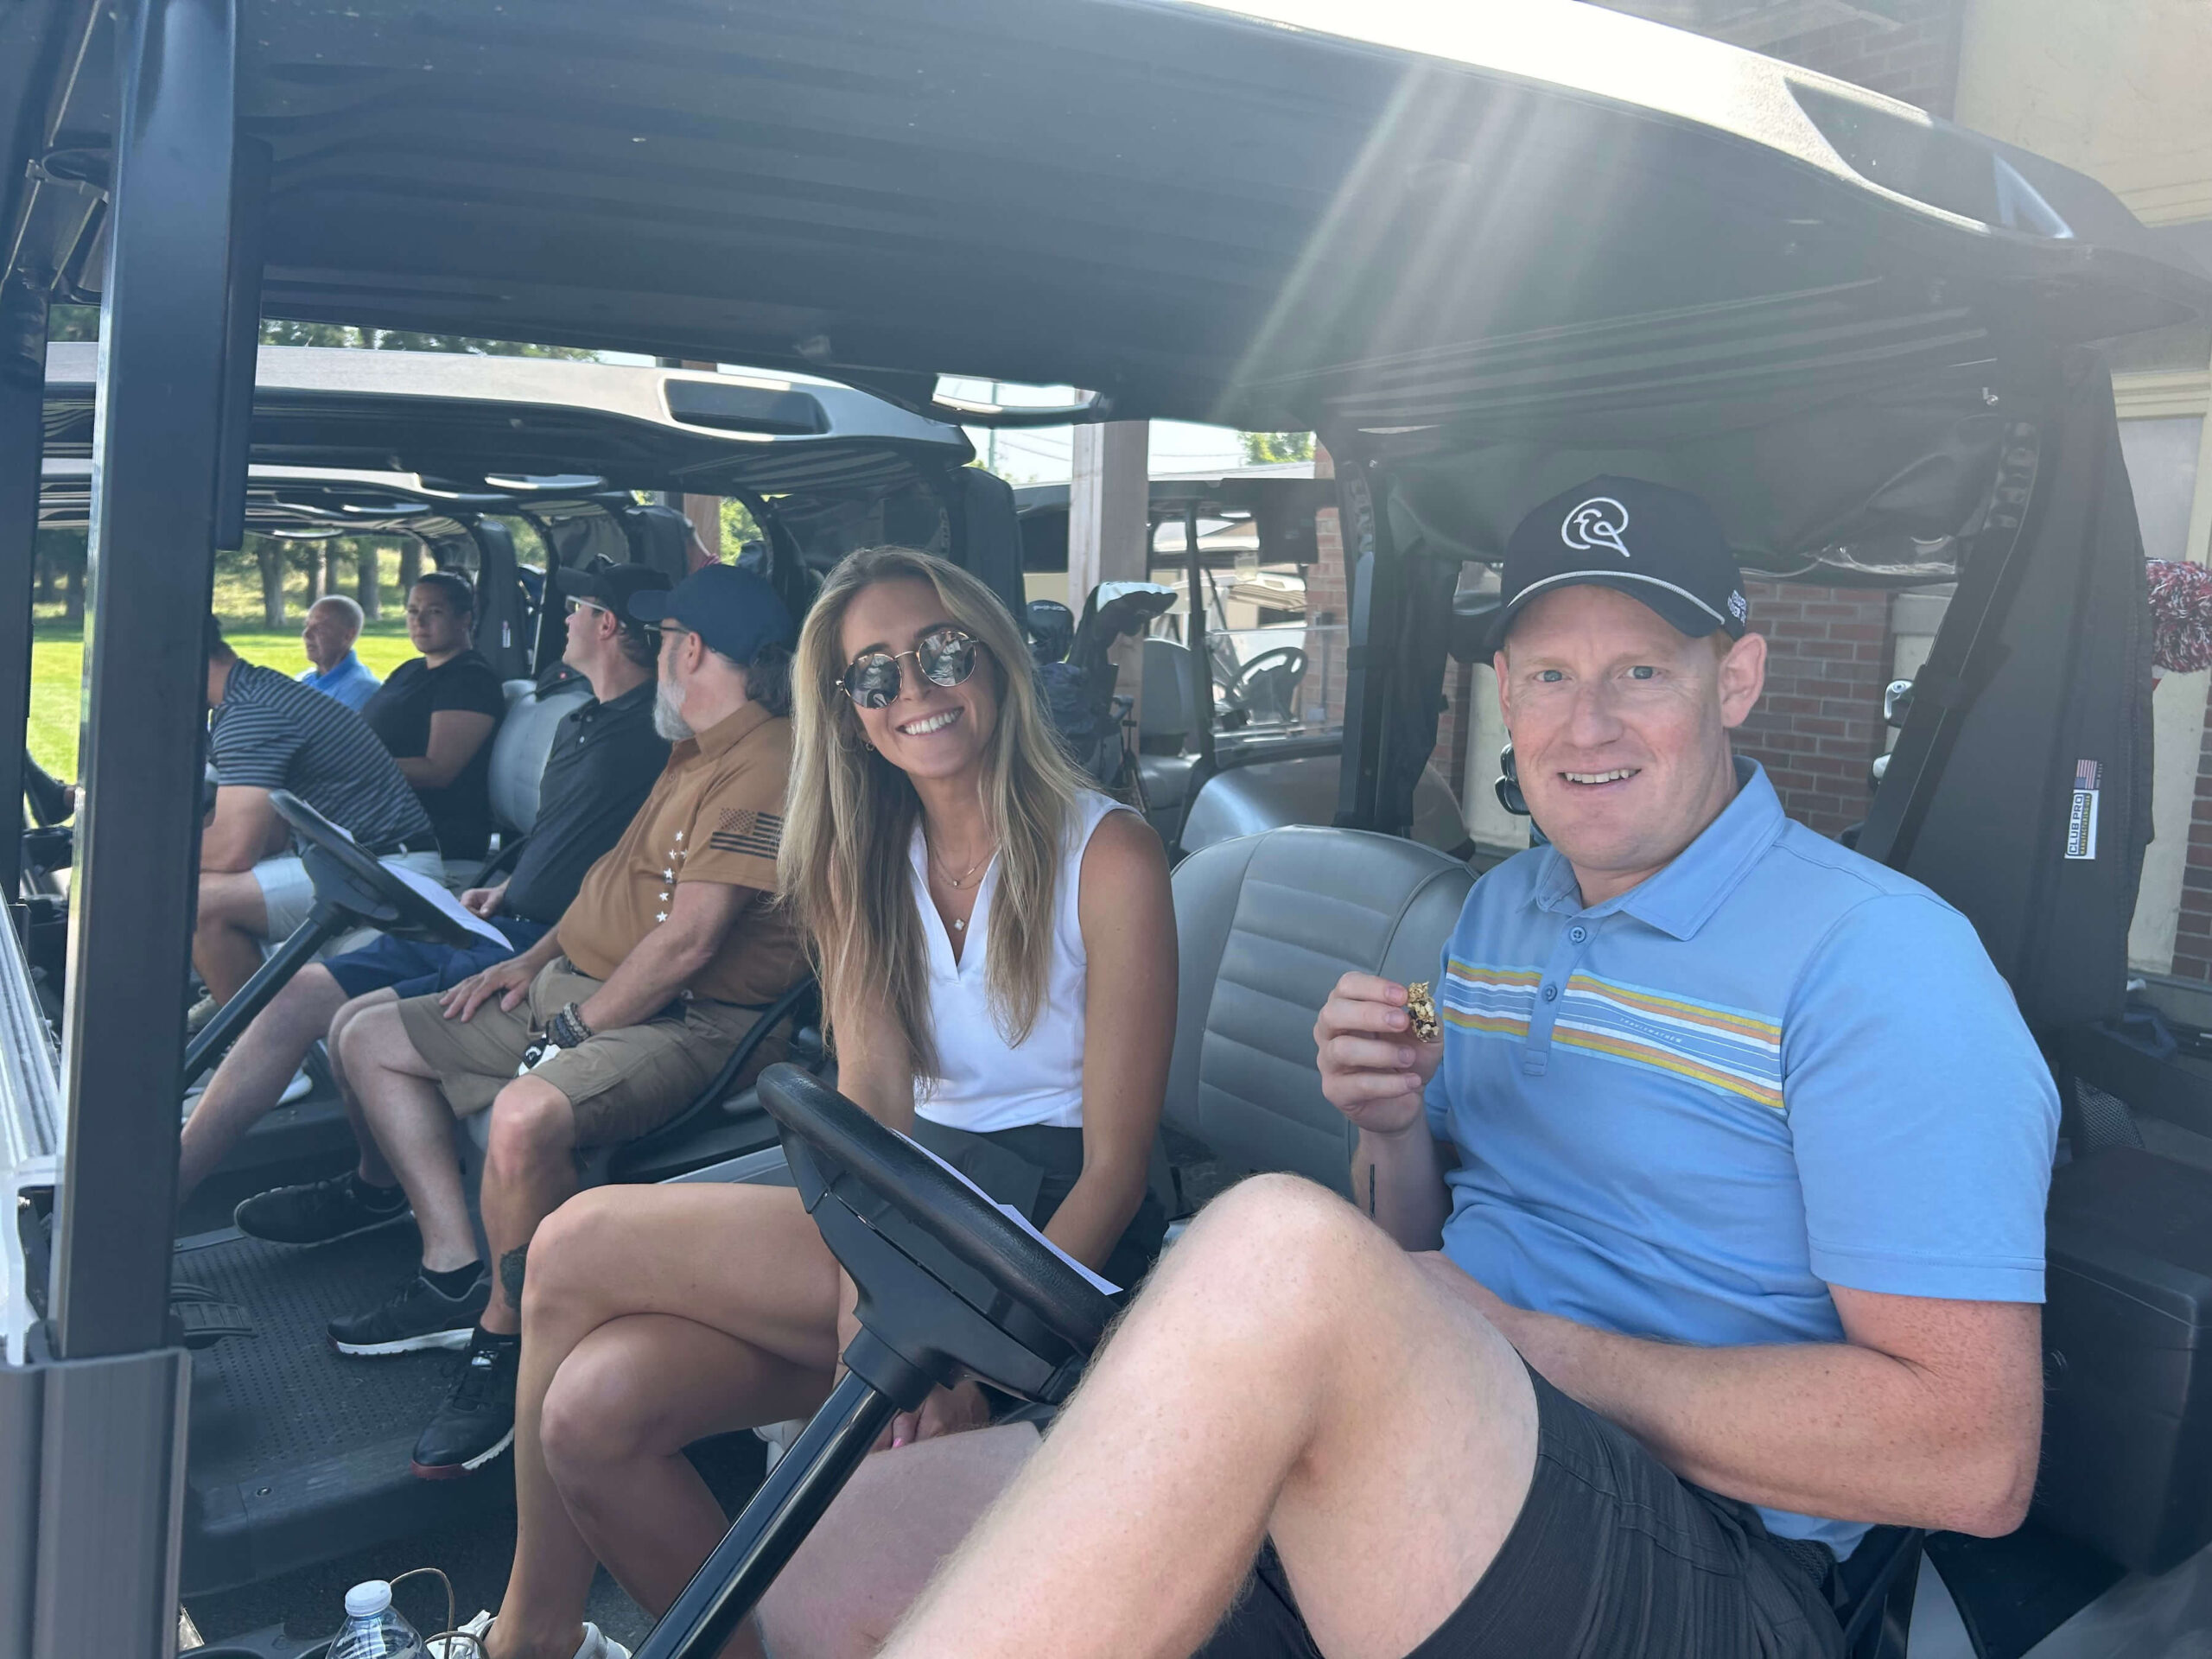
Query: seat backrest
[[522, 746], [1266, 926], [1170, 708]]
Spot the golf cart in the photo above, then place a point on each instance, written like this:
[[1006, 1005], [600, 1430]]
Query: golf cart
[[512, 467], [1482, 253], [1259, 747]]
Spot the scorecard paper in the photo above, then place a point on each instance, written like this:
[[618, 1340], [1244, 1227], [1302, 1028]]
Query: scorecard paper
[[1103, 1287]]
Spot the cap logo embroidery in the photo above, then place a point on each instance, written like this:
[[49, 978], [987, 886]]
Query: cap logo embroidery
[[1738, 607], [1597, 523]]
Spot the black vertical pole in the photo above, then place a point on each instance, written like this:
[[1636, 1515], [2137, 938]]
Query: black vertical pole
[[1373, 586], [159, 455], [23, 391], [1201, 657]]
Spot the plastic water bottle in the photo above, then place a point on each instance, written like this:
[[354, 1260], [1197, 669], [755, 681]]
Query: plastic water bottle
[[373, 1629]]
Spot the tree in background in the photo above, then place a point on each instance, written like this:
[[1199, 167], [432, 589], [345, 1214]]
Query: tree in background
[[1262, 448], [67, 322], [60, 559]]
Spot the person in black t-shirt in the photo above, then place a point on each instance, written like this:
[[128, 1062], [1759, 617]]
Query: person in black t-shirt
[[436, 715]]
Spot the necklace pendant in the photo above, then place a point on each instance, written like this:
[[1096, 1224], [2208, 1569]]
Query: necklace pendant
[[960, 927]]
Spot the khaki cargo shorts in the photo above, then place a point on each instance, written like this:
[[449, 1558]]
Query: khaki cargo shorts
[[620, 1084]]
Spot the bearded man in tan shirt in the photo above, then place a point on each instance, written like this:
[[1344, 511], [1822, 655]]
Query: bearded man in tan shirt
[[608, 1027]]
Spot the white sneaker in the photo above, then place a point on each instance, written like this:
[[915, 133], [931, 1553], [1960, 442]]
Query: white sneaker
[[596, 1645]]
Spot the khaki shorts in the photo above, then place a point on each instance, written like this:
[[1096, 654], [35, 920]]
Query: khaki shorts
[[620, 1085]]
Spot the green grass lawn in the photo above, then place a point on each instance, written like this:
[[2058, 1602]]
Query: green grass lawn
[[58, 670]]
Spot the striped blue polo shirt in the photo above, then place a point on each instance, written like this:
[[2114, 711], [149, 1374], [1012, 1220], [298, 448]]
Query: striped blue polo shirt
[[1772, 1067]]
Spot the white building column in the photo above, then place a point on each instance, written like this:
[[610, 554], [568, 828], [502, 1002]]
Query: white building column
[[1108, 498]]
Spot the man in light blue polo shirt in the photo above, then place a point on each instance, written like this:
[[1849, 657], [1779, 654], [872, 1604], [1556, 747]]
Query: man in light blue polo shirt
[[333, 624], [1733, 1245]]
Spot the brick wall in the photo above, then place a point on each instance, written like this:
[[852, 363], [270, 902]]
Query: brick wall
[[2193, 930], [1917, 60], [1910, 51], [1818, 727]]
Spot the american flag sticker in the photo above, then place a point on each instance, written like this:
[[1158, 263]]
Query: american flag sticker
[[2081, 821]]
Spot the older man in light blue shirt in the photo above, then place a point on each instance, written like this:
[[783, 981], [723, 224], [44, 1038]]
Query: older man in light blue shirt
[[333, 624]]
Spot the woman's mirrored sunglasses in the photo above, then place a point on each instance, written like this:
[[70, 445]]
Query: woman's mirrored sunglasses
[[945, 655]]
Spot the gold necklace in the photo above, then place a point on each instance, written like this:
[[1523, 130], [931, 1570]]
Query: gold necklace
[[956, 885], [960, 922]]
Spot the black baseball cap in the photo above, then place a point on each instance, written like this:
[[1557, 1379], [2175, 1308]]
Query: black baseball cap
[[1659, 545], [612, 587], [735, 611]]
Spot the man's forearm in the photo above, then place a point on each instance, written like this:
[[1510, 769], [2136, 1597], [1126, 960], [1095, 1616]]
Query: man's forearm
[[648, 979], [1831, 1429], [1399, 1181]]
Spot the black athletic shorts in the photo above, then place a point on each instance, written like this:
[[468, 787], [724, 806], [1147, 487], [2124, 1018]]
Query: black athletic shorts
[[1612, 1557]]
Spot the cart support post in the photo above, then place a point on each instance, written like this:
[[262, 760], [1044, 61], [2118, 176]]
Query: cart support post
[[23, 391], [1375, 585], [763, 1539], [160, 448]]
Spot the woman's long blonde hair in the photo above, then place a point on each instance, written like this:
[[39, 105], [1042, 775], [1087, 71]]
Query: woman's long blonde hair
[[850, 818]]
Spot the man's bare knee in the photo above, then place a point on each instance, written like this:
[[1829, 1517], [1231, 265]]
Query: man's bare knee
[[376, 1039], [353, 1008], [1285, 1236], [532, 1125]]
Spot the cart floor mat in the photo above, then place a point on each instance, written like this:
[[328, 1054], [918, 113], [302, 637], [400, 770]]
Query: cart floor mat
[[297, 1453]]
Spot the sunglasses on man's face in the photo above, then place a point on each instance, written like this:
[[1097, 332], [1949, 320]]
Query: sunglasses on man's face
[[945, 655], [575, 605]]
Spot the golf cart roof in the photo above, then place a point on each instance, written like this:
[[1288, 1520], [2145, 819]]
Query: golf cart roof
[[489, 431], [1279, 215]]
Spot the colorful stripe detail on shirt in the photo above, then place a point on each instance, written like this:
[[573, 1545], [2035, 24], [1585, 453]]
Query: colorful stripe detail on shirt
[[1725, 1049]]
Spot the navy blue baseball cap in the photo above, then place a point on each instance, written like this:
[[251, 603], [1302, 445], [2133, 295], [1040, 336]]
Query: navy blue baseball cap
[[1659, 545], [735, 611]]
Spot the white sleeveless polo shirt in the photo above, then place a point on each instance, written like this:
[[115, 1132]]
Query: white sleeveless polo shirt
[[987, 1084]]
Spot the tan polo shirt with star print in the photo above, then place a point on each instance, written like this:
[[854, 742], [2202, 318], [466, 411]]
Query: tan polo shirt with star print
[[716, 814]]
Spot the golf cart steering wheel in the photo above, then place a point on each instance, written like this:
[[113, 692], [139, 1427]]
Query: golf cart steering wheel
[[1287, 664], [345, 875], [948, 1288], [867, 1167]]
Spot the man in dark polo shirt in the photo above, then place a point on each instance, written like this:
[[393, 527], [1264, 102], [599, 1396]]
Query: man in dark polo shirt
[[605, 1028], [604, 758], [267, 732]]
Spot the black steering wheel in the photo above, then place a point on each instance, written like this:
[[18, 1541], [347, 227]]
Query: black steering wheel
[[949, 1286], [345, 876], [867, 1168], [1273, 676]]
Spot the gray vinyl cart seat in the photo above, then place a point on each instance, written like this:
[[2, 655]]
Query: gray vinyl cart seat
[[1266, 926]]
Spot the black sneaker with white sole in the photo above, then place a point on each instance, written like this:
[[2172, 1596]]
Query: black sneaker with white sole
[[316, 1212], [419, 1315], [477, 1421]]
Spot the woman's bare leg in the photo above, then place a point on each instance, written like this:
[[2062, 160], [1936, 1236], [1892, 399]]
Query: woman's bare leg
[[898, 1519], [746, 1294]]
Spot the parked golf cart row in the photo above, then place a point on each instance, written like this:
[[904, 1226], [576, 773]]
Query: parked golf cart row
[[1482, 263]]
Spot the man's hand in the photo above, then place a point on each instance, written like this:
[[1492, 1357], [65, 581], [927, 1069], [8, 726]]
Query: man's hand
[[1373, 1068], [484, 901], [509, 981]]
